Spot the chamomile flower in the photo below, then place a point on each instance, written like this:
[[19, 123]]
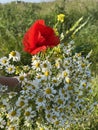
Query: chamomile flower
[[13, 114], [10, 69], [14, 55], [47, 74], [45, 65], [36, 65], [35, 57], [58, 63], [56, 81], [67, 80], [22, 78], [4, 61], [49, 92], [41, 102], [21, 102], [65, 73], [29, 113]]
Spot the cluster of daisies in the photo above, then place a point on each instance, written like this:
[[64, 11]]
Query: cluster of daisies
[[54, 88]]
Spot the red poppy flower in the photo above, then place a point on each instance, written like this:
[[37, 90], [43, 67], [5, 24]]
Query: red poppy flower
[[39, 37]]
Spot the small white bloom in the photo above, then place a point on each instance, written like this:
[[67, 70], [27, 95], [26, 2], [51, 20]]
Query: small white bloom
[[29, 114], [49, 92], [10, 69], [41, 102], [14, 55], [36, 65], [21, 102], [4, 61], [58, 63], [56, 81], [22, 78], [46, 65], [13, 114], [47, 74]]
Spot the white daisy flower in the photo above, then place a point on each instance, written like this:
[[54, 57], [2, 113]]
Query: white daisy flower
[[35, 57], [14, 55], [46, 65], [49, 92], [22, 78], [29, 114], [58, 63], [47, 74], [56, 81], [21, 102], [10, 69], [41, 102], [4, 61], [48, 116], [13, 114], [36, 65], [65, 73]]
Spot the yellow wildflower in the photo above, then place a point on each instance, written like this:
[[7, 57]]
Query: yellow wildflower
[[61, 17]]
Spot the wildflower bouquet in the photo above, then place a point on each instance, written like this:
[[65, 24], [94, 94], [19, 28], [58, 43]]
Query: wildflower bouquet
[[54, 87]]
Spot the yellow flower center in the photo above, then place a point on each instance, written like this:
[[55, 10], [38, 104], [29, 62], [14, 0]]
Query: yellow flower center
[[57, 122], [48, 108], [12, 128], [70, 88], [27, 113], [39, 77], [21, 78], [83, 65], [45, 65], [48, 91], [63, 91], [68, 80], [4, 61], [21, 103], [48, 116], [13, 113], [84, 84], [57, 64], [10, 69], [40, 99], [55, 81], [13, 53], [65, 74], [42, 129], [37, 64], [60, 101], [33, 87], [46, 73]]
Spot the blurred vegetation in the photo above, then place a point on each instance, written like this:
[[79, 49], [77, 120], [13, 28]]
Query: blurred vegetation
[[15, 19]]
